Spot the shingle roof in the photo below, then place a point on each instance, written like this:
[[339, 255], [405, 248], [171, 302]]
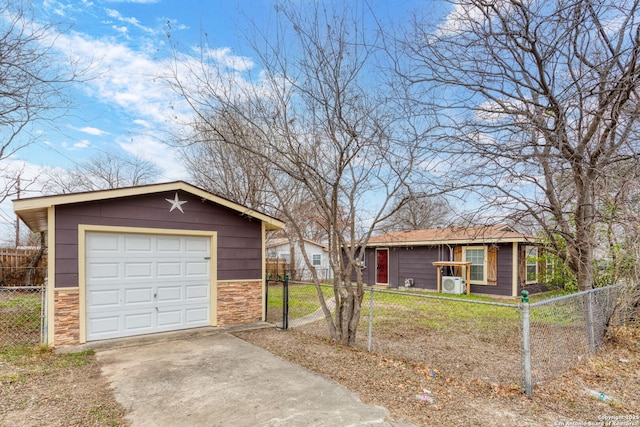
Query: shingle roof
[[451, 235]]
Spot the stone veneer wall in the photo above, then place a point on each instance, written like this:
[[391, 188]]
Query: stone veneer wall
[[66, 320], [239, 302]]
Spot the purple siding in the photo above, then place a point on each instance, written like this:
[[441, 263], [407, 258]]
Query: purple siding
[[416, 263], [239, 238], [505, 274]]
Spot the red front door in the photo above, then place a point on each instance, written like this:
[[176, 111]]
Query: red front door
[[382, 262]]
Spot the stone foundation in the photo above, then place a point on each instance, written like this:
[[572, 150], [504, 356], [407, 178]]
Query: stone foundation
[[239, 302], [66, 321]]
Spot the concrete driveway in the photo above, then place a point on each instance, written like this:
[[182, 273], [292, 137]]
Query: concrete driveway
[[211, 378]]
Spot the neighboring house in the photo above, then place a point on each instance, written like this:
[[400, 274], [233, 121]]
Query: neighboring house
[[148, 259], [501, 261], [318, 255]]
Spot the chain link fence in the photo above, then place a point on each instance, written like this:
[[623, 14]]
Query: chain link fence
[[565, 330], [470, 337], [21, 315]]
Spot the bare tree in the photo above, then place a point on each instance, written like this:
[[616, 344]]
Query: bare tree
[[537, 101], [224, 168], [619, 224], [321, 117], [419, 212], [102, 172], [32, 82]]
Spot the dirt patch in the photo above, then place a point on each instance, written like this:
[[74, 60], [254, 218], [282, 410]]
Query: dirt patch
[[41, 388], [385, 380]]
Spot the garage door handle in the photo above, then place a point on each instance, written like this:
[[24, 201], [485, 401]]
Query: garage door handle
[[207, 257]]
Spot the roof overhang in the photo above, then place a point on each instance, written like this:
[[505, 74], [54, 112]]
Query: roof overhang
[[456, 242], [34, 211]]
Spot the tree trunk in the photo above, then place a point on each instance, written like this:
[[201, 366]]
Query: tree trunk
[[33, 263]]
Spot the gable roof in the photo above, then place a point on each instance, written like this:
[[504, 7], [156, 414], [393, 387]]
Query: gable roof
[[451, 235], [33, 211]]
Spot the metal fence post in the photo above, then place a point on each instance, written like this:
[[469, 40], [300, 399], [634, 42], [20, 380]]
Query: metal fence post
[[285, 304], [590, 331], [370, 337], [44, 335], [266, 299], [526, 344]]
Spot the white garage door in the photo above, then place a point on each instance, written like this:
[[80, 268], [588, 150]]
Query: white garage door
[[145, 283]]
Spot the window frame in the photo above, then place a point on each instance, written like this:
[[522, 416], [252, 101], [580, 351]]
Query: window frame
[[313, 260], [485, 268]]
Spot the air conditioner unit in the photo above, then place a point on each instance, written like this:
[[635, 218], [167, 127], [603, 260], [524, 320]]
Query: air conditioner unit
[[452, 285]]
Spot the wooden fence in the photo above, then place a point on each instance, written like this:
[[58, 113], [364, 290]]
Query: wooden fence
[[15, 270], [277, 267]]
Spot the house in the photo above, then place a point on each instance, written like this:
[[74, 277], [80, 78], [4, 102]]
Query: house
[[281, 248], [148, 259], [496, 260]]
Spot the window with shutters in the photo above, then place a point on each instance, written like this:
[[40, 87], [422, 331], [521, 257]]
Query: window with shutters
[[476, 255], [484, 264]]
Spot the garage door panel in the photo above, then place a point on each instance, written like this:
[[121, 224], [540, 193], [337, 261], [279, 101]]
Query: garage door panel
[[169, 294], [170, 318], [198, 291], [103, 270], [135, 322], [146, 284], [196, 315], [168, 269], [138, 243], [106, 325], [103, 244], [197, 268], [138, 270], [102, 298], [138, 296], [197, 246], [169, 244]]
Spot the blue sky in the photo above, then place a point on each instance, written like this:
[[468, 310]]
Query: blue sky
[[124, 107]]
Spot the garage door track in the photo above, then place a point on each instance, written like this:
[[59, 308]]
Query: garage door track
[[216, 379]]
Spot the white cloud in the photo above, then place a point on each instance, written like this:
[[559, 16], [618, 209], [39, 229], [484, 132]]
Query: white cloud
[[89, 130], [142, 123], [122, 30], [224, 57], [122, 76], [112, 13], [151, 149], [135, 82], [84, 143]]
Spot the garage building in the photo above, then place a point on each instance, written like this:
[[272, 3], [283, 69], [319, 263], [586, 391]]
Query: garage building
[[148, 259]]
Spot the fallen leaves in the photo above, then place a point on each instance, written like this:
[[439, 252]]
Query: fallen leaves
[[392, 382]]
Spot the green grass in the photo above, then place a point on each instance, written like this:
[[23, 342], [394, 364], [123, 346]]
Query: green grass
[[303, 299], [444, 312], [413, 311], [26, 355], [35, 361], [19, 316]]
